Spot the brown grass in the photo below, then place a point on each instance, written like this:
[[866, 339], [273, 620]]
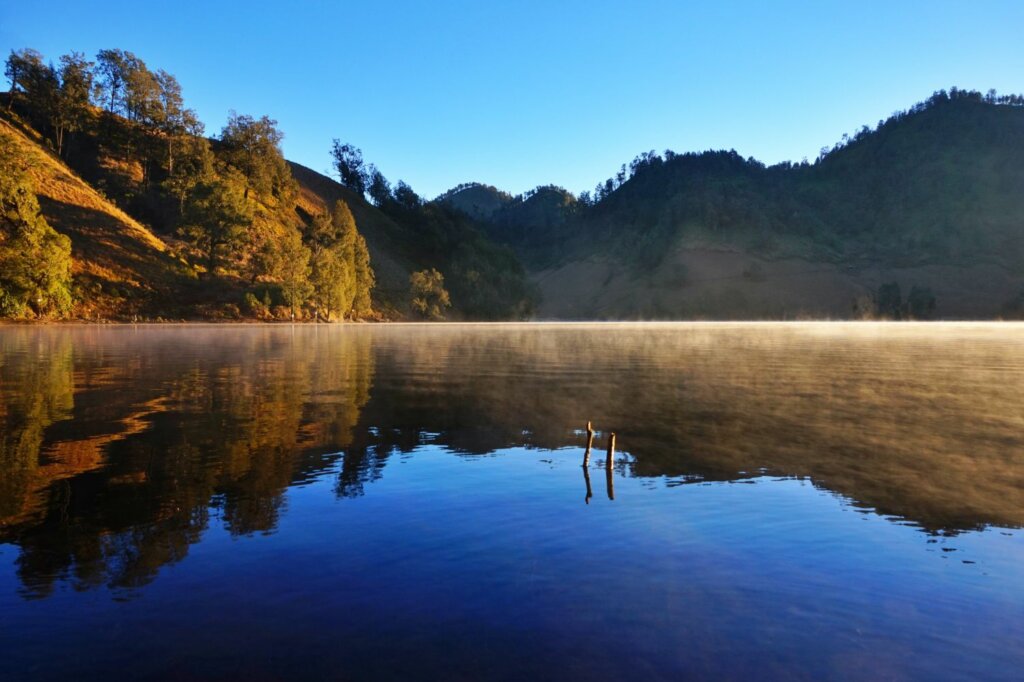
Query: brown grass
[[119, 264]]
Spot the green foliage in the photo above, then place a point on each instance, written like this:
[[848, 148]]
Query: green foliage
[[487, 280], [378, 187], [21, 68], [294, 271], [34, 83], [70, 112], [35, 260], [255, 306], [333, 283], [342, 277], [194, 167], [112, 67], [476, 199], [365, 280], [217, 218], [348, 162], [253, 146], [429, 298]]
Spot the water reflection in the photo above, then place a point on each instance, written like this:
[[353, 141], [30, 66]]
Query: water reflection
[[924, 423], [586, 480], [158, 434], [121, 447]]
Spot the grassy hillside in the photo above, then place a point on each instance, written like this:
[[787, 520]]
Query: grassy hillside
[[121, 268]]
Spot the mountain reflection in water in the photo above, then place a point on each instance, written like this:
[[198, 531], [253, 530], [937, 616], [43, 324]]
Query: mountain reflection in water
[[411, 494], [118, 443]]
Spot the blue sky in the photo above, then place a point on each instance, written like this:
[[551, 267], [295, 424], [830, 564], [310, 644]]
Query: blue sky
[[523, 93]]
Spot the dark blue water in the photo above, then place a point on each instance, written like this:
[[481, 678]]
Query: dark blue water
[[408, 502]]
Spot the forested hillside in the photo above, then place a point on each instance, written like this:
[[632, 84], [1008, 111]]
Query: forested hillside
[[922, 216], [167, 223]]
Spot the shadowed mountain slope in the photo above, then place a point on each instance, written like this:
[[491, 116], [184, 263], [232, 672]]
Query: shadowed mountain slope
[[931, 200]]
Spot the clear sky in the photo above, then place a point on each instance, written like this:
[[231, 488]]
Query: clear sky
[[524, 93]]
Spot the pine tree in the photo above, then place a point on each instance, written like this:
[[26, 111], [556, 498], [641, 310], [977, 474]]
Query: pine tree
[[217, 218], [294, 273], [364, 279]]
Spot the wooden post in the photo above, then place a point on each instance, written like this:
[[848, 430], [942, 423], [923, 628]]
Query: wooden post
[[610, 483], [611, 452], [590, 444]]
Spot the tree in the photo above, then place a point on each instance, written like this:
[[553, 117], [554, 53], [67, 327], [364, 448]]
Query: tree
[[176, 121], [38, 83], [142, 94], [348, 162], [253, 147], [362, 303], [217, 218], [112, 67], [17, 68], [429, 297], [35, 260], [346, 245], [71, 110], [379, 188], [294, 273], [332, 283], [406, 197], [342, 277], [194, 167]]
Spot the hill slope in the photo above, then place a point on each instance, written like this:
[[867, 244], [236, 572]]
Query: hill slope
[[317, 193], [932, 199], [121, 268]]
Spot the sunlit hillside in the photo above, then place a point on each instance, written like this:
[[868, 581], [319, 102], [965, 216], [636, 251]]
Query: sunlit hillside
[[120, 267]]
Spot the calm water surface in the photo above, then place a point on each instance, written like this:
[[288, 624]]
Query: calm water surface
[[800, 501]]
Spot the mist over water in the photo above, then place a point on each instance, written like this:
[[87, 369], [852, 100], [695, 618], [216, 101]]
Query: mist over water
[[814, 500]]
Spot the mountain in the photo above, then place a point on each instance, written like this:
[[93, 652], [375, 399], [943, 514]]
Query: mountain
[[931, 201], [920, 217], [476, 199]]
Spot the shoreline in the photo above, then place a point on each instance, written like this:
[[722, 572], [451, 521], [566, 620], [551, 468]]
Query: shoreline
[[508, 323]]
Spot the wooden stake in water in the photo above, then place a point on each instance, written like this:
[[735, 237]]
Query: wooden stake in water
[[590, 444], [611, 452]]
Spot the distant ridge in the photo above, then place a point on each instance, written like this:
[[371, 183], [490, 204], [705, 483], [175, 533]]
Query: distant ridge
[[932, 199]]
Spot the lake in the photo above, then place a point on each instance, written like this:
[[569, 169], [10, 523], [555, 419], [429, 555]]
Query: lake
[[785, 501]]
